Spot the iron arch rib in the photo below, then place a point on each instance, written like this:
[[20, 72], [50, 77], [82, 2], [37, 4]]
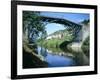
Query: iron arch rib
[[68, 24], [59, 21]]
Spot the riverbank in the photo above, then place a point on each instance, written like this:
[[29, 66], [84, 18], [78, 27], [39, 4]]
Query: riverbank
[[80, 47], [77, 51], [31, 60]]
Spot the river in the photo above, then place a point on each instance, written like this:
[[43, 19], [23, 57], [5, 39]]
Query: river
[[58, 58]]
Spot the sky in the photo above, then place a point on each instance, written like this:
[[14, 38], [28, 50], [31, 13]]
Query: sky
[[74, 17], [52, 27]]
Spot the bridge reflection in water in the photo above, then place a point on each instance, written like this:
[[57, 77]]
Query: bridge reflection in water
[[56, 58]]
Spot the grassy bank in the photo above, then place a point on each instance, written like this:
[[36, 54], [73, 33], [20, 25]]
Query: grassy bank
[[52, 43]]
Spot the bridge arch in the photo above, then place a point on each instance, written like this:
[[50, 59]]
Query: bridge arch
[[74, 27]]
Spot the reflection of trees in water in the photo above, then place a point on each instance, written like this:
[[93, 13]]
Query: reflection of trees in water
[[81, 59], [43, 52]]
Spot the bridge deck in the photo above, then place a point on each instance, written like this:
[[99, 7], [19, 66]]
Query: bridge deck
[[60, 21]]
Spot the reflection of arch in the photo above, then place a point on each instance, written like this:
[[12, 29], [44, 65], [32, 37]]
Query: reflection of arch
[[74, 27]]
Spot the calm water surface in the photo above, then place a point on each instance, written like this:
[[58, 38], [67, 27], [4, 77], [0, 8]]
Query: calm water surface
[[56, 59]]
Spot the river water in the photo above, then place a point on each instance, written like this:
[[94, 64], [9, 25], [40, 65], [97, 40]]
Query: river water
[[58, 58]]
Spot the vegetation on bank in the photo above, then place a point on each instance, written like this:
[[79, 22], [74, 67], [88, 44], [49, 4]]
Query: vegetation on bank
[[32, 28], [31, 61], [56, 42], [86, 45]]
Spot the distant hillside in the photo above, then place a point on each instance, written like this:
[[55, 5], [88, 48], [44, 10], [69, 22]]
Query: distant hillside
[[59, 32]]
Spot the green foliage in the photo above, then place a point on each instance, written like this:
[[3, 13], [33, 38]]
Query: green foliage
[[33, 24], [56, 42], [33, 19], [66, 34], [53, 43], [85, 22], [86, 46]]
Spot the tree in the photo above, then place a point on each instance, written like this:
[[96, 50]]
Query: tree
[[85, 22], [32, 26]]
